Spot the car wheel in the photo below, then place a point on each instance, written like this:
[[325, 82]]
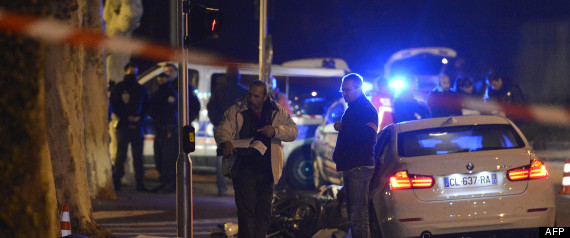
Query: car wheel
[[299, 170]]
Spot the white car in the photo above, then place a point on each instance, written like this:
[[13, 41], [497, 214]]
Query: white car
[[458, 175], [322, 147]]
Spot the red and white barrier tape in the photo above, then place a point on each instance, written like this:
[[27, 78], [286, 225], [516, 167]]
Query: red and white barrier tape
[[539, 113], [53, 31]]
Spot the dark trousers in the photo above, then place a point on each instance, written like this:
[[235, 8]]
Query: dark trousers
[[166, 153], [356, 182], [253, 195], [135, 137]]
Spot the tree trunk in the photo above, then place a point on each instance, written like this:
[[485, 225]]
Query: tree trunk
[[95, 110], [29, 207], [65, 121]]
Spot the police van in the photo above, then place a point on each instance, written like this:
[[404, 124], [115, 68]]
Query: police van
[[311, 85]]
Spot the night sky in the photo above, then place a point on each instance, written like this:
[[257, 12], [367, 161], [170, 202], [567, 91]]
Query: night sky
[[366, 33]]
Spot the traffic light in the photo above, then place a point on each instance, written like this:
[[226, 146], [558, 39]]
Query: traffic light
[[203, 22]]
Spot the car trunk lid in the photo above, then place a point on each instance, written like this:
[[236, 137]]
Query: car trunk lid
[[469, 174]]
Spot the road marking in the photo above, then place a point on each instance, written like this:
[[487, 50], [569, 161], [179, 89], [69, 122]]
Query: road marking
[[201, 228]]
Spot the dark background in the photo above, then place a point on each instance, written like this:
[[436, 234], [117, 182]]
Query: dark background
[[487, 33]]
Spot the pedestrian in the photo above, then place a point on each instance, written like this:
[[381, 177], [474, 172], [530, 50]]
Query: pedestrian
[[407, 107], [279, 97], [354, 152], [442, 102], [222, 98], [193, 101], [254, 173], [130, 102], [502, 90], [164, 113], [469, 101]]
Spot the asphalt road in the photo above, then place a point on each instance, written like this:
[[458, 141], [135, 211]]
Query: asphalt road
[[137, 214]]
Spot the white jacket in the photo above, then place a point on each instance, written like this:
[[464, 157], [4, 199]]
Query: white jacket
[[285, 130]]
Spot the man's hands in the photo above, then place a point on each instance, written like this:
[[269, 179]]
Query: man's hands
[[228, 149], [268, 131]]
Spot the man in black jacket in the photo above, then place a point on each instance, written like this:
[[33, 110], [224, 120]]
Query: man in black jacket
[[193, 102], [130, 102], [354, 152], [164, 113]]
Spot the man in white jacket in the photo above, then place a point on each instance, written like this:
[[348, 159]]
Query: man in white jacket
[[257, 118]]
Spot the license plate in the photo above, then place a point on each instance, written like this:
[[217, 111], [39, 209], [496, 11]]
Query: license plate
[[470, 180]]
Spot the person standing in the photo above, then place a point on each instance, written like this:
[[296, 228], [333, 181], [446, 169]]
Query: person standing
[[502, 90], [222, 98], [193, 102], [254, 174], [465, 91], [354, 151], [164, 113], [130, 102], [442, 102], [279, 97]]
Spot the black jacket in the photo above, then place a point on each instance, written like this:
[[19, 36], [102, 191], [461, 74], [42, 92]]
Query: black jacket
[[129, 98], [164, 106], [193, 100], [356, 139], [509, 93], [222, 98]]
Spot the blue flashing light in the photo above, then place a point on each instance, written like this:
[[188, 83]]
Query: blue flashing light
[[367, 87], [397, 84]]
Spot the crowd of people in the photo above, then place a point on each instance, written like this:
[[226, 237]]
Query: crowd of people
[[262, 114], [461, 99]]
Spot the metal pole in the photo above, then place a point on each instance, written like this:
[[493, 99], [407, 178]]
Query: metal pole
[[184, 206], [262, 34]]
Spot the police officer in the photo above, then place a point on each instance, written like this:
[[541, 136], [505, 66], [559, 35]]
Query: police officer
[[164, 113], [130, 102]]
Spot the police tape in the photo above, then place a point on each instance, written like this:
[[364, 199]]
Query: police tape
[[546, 114], [57, 32]]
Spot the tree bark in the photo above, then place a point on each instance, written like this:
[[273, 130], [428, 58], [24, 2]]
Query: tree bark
[[95, 110], [65, 81], [29, 207]]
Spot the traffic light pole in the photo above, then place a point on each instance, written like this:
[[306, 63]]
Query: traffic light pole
[[263, 67], [184, 206]]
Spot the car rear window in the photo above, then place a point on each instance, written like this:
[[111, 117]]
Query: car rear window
[[457, 140]]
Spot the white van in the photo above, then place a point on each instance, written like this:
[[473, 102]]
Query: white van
[[310, 92]]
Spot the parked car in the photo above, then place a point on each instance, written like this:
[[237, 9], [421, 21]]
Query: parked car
[[457, 175], [324, 168]]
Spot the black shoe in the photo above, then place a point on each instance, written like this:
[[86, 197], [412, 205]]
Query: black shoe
[[142, 188], [167, 189], [158, 188]]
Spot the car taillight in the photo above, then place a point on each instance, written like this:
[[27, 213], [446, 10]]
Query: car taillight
[[535, 170], [401, 180]]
